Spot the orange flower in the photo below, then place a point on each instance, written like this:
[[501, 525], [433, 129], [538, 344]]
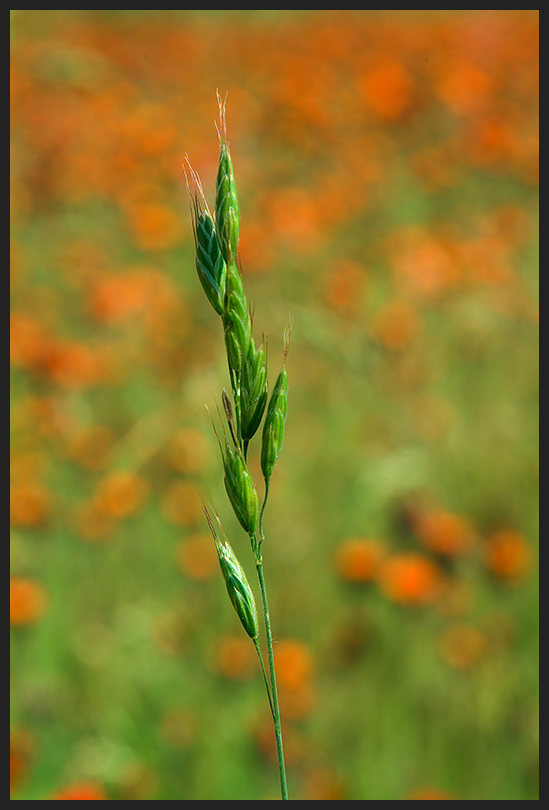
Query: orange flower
[[197, 557], [410, 579], [358, 560], [462, 645], [182, 504], [236, 658], [187, 451], [425, 266], [396, 325], [28, 341], [508, 555], [27, 600], [388, 91], [89, 447], [464, 87], [30, 505], [155, 225], [322, 784], [83, 790], [76, 366], [22, 749], [92, 523], [429, 793], [444, 533], [294, 664], [345, 287], [120, 494], [115, 298]]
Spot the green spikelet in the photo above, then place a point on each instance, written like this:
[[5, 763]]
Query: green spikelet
[[210, 264], [253, 390], [227, 210], [236, 320], [240, 489], [275, 421], [238, 587]]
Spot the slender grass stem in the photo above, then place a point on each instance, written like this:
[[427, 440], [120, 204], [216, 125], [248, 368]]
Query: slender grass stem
[[265, 677], [274, 693]]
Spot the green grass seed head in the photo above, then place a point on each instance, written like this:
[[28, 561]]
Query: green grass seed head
[[253, 390], [236, 320], [275, 421], [210, 264], [227, 210], [240, 489], [238, 587]]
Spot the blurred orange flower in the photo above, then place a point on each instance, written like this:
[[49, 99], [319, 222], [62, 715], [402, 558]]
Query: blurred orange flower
[[27, 600], [508, 555], [182, 503], [155, 226], [120, 494], [83, 790], [464, 87], [197, 557], [322, 784], [424, 265], [22, 749], [444, 533], [428, 793], [76, 366], [410, 579], [90, 446], [345, 287], [358, 559], [187, 451], [30, 505], [294, 664], [396, 325], [235, 657], [294, 672], [117, 297], [388, 91], [29, 340]]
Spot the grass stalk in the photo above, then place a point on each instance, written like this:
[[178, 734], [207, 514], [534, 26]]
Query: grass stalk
[[219, 273], [274, 692]]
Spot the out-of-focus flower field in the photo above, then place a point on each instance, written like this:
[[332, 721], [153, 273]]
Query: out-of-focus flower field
[[387, 166]]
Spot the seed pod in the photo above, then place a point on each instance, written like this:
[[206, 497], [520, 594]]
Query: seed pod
[[236, 320], [253, 390], [238, 587], [240, 489], [227, 211], [273, 428], [210, 264]]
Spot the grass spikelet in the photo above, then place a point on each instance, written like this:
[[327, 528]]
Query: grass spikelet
[[238, 588], [210, 264]]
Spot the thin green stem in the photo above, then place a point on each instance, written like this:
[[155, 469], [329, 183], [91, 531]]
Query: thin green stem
[[274, 693], [265, 678]]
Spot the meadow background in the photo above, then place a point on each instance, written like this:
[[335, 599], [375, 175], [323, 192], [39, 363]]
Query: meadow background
[[387, 166]]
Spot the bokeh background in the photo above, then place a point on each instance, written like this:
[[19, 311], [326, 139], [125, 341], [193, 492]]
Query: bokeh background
[[387, 171]]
